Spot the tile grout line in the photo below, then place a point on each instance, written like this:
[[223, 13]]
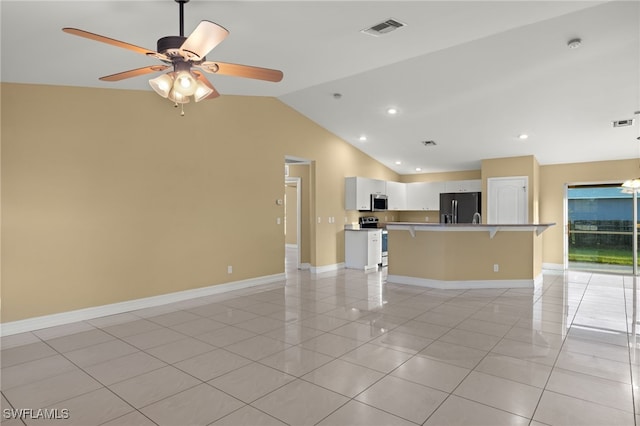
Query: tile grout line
[[544, 388], [102, 384]]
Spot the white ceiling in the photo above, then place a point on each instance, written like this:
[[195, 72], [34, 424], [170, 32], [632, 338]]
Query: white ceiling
[[470, 75]]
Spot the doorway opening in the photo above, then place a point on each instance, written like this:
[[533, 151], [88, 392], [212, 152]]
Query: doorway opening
[[600, 222], [297, 189], [292, 188]]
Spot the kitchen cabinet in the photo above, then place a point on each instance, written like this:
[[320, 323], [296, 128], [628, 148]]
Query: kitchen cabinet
[[473, 185], [396, 196], [424, 195], [358, 192], [363, 248]]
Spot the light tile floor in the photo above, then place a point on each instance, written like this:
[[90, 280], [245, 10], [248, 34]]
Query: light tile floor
[[343, 348]]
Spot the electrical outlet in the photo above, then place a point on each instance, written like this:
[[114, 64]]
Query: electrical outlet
[[496, 267], [229, 269], [278, 221]]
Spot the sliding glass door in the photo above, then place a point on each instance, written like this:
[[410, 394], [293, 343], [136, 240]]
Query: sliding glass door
[[600, 229]]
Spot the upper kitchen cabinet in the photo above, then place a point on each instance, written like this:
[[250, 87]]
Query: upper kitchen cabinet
[[424, 195], [397, 196], [358, 192], [474, 185]]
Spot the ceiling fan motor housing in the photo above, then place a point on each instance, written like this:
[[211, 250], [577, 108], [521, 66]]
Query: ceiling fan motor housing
[[170, 45]]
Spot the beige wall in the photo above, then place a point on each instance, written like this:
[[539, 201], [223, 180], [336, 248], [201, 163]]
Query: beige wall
[[444, 176], [111, 195], [553, 179]]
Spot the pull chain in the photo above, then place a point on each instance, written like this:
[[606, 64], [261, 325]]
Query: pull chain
[[175, 105]]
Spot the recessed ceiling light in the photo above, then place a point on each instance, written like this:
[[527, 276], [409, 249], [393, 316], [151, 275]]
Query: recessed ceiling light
[[398, 163], [363, 138], [392, 111], [418, 169], [523, 136]]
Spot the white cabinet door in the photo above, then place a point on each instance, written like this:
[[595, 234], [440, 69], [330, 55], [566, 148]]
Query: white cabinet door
[[397, 195], [433, 195], [374, 249], [472, 185], [363, 248], [358, 192], [424, 195]]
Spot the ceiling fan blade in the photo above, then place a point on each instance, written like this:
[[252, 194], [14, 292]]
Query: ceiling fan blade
[[134, 73], [214, 93], [245, 71], [203, 39], [111, 41]]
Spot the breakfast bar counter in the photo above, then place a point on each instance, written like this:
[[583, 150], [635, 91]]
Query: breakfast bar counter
[[465, 256]]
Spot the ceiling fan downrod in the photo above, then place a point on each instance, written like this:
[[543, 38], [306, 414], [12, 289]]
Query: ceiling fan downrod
[[182, 2]]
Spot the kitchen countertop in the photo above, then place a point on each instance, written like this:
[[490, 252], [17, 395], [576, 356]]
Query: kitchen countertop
[[413, 227]]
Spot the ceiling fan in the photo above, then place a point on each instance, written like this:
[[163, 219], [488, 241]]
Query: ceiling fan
[[184, 54]]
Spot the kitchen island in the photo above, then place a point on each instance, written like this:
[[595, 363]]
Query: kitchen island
[[465, 256]]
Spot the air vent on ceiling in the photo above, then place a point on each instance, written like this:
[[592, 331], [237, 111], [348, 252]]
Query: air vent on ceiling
[[623, 123], [383, 27]]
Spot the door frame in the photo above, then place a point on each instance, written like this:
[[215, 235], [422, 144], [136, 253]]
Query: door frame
[[565, 220], [297, 182]]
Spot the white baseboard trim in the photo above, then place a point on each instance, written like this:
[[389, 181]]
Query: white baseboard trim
[[37, 323], [553, 267], [326, 268], [291, 246], [305, 266], [463, 285]]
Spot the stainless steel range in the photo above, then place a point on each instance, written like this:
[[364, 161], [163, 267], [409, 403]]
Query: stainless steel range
[[368, 222]]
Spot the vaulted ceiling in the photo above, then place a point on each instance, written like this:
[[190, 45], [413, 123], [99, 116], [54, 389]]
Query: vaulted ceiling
[[472, 76]]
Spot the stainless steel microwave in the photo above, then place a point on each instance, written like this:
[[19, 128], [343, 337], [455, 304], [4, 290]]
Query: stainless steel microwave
[[378, 202]]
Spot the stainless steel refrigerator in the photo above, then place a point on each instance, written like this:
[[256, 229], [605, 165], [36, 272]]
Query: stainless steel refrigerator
[[460, 207]]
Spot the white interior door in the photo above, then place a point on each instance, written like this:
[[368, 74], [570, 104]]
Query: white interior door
[[507, 200]]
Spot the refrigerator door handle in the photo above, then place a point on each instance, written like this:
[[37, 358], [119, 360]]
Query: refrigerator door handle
[[454, 211]]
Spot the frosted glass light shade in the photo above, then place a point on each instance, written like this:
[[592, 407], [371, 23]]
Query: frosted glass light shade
[[177, 97], [185, 83], [162, 85], [202, 91]]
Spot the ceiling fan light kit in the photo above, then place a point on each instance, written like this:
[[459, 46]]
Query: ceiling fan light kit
[[632, 185], [183, 54]]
